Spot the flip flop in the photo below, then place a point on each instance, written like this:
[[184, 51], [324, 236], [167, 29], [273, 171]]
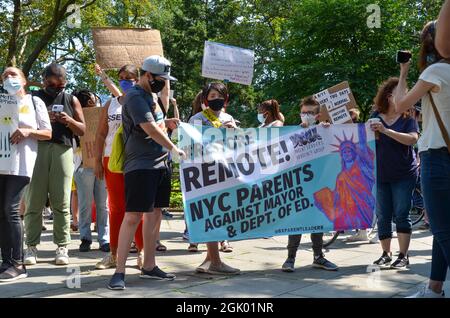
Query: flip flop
[[193, 248], [160, 247], [226, 247]]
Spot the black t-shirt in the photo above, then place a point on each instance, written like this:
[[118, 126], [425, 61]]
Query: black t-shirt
[[141, 152], [60, 133]]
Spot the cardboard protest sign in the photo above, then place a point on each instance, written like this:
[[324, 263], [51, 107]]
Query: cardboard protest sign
[[9, 122], [253, 183], [335, 103], [229, 63], [115, 47], [92, 117]]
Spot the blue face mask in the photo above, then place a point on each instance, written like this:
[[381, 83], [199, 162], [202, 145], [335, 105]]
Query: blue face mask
[[12, 85], [125, 85]]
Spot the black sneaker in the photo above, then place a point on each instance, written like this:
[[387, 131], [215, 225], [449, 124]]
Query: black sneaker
[[402, 262], [117, 282], [289, 265], [13, 273], [385, 260], [4, 267], [156, 273], [105, 248], [85, 246], [322, 263]]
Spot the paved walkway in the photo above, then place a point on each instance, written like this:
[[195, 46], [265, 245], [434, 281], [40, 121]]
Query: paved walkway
[[260, 260]]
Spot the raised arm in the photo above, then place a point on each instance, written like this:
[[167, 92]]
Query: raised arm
[[107, 81], [404, 100]]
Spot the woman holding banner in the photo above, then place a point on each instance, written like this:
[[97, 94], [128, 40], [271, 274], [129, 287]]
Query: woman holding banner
[[34, 125], [433, 87], [397, 172], [215, 97], [110, 120]]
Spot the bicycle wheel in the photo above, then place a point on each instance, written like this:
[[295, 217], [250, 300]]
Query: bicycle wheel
[[417, 215], [330, 237]]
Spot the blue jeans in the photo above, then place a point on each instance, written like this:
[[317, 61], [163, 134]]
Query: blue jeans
[[394, 204], [435, 175], [88, 188]]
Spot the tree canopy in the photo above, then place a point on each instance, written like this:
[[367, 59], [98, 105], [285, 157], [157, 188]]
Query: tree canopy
[[301, 47]]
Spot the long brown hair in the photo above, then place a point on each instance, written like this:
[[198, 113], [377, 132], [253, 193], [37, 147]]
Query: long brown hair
[[428, 49], [381, 101], [273, 108], [197, 103]]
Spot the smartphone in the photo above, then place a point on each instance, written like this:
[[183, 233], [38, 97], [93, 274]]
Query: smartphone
[[57, 108], [403, 57]]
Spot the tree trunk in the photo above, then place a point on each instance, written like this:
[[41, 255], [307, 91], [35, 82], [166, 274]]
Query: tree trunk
[[58, 16], [15, 30]]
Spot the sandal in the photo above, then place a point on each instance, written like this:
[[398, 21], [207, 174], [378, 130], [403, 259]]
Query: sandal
[[160, 247], [133, 248], [226, 247], [193, 248]]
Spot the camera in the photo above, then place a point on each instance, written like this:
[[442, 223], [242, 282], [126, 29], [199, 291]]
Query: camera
[[403, 57]]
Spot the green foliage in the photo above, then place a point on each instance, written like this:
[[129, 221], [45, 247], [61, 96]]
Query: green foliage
[[301, 47]]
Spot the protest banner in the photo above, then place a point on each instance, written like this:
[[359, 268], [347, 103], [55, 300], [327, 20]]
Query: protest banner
[[91, 117], [228, 63], [115, 47], [9, 122], [335, 103], [253, 183]]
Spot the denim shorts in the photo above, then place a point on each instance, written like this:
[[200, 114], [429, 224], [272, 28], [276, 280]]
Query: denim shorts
[[394, 201]]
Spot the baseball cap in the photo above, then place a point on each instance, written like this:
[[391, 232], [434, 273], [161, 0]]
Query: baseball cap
[[158, 66]]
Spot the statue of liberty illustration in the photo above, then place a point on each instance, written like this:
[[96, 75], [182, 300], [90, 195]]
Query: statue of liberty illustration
[[351, 205]]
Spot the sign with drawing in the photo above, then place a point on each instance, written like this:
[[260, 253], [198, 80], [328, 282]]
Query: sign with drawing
[[9, 121]]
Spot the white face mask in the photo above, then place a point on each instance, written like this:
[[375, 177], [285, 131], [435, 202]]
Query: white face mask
[[308, 119], [13, 85], [261, 118]]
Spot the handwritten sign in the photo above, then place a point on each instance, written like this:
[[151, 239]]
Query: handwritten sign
[[115, 47], [92, 117], [335, 103], [229, 63], [9, 122]]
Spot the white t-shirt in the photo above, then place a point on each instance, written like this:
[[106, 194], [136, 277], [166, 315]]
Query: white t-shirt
[[200, 119], [114, 121], [439, 75], [27, 149]]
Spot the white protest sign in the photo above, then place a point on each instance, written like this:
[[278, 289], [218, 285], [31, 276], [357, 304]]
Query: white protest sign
[[340, 115], [9, 121], [335, 102], [229, 63]]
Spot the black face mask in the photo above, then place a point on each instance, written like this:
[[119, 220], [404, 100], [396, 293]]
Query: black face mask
[[54, 91], [157, 86], [216, 104]]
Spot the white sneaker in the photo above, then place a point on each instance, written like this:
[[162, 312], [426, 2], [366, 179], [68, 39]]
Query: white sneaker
[[359, 236], [30, 257], [62, 256], [374, 240], [426, 292], [107, 262]]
